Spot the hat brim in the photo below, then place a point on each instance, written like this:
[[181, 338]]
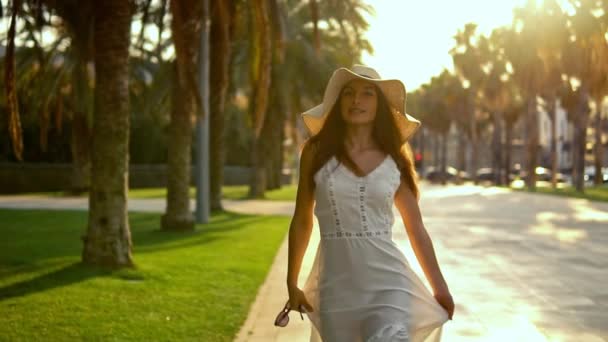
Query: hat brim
[[393, 90]]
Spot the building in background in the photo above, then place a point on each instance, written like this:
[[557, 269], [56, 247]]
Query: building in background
[[564, 138]]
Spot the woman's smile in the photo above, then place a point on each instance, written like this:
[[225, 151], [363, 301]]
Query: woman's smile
[[354, 111]]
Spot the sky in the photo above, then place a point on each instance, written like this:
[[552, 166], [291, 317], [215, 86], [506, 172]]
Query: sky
[[412, 38]]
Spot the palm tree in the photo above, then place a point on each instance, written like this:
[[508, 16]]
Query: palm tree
[[261, 69], [468, 62], [577, 107], [599, 90], [61, 78], [108, 238], [186, 25], [551, 44], [64, 68], [309, 57], [223, 13], [107, 241], [583, 55], [513, 112], [495, 95], [521, 48], [439, 97], [414, 105], [460, 115], [78, 16], [40, 78], [14, 120], [303, 55]]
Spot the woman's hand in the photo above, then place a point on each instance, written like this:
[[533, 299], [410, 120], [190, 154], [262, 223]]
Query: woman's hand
[[444, 298], [297, 299]]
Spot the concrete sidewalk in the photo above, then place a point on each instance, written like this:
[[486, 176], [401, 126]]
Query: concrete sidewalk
[[157, 205], [271, 298]]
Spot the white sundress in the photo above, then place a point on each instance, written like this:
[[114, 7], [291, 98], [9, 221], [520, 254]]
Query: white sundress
[[361, 285]]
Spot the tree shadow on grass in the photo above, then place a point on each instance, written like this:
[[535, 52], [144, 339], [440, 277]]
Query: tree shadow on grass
[[48, 242], [67, 275], [38, 236], [218, 229]]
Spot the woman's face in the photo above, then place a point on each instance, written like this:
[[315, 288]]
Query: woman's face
[[359, 102]]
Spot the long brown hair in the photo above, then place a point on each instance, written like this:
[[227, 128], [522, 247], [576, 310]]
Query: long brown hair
[[329, 141]]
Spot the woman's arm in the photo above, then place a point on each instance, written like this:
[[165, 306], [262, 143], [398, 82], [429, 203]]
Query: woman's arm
[[302, 222], [407, 204]]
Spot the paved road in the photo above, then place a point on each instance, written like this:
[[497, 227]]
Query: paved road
[[521, 267]]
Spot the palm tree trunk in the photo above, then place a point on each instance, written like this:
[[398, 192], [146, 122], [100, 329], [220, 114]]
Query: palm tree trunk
[[81, 156], [444, 151], [219, 73], [580, 139], [108, 238], [185, 29], [257, 184], [273, 131], [598, 147], [574, 151], [178, 215], [497, 148], [79, 19], [81, 132], [579, 155], [273, 141], [274, 165], [531, 142], [422, 146], [508, 151], [261, 83], [472, 122], [474, 149], [12, 103], [462, 145], [552, 109]]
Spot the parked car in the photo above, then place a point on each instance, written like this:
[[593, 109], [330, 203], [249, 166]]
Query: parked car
[[590, 174], [486, 174], [434, 175], [564, 178], [542, 174]]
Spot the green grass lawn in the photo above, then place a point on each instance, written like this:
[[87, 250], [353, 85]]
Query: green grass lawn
[[195, 286], [594, 193], [233, 192]]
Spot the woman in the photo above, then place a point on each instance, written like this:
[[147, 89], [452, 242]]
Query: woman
[[355, 166]]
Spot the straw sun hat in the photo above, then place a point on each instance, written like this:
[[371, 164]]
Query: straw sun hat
[[393, 90]]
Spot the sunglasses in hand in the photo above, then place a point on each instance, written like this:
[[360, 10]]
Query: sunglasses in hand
[[283, 316]]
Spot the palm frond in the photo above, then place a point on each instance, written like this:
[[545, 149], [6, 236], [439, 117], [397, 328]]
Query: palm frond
[[14, 123]]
